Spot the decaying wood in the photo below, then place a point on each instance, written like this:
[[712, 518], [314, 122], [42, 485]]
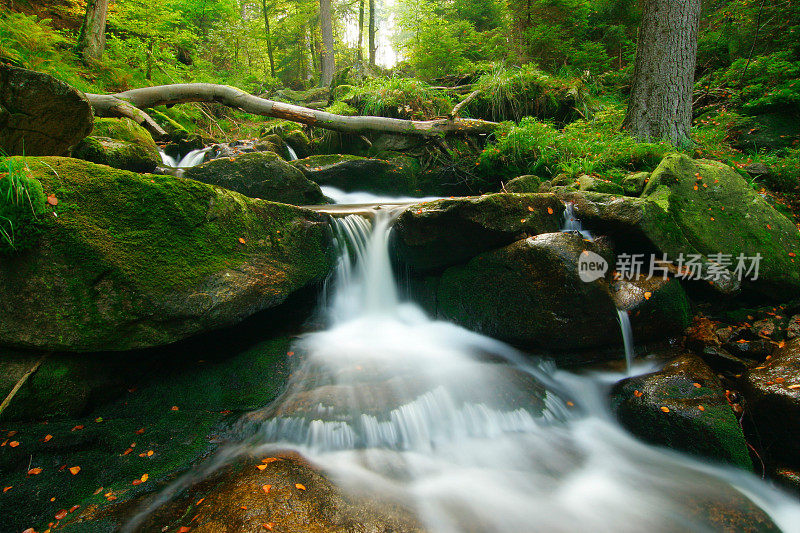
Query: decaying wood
[[130, 104], [20, 383]]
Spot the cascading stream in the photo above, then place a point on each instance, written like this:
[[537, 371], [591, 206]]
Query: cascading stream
[[467, 432]]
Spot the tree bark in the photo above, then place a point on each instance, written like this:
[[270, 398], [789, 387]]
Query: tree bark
[[92, 37], [269, 39], [326, 26], [372, 31], [660, 105], [360, 51], [129, 104]]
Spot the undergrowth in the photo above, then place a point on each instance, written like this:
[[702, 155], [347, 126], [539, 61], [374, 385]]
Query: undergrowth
[[21, 202]]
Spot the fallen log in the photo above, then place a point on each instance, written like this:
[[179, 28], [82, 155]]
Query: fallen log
[[130, 104]]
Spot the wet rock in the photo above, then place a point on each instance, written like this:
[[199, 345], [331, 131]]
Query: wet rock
[[682, 407], [233, 149], [259, 175], [529, 293], [723, 361], [523, 184], [702, 333], [119, 143], [772, 391], [749, 346], [134, 260], [595, 184], [40, 115], [793, 329], [353, 174], [657, 307], [443, 233]]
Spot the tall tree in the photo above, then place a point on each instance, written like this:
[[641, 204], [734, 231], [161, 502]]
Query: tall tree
[[269, 38], [92, 37], [360, 52], [326, 27], [660, 105], [373, 48]]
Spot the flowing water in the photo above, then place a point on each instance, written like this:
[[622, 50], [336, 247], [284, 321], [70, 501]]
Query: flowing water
[[465, 430], [292, 153], [192, 159]]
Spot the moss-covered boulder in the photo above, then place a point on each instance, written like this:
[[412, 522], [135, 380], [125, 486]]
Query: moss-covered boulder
[[682, 407], [22, 202], [119, 143], [656, 306], [40, 115], [719, 213], [634, 184], [263, 175], [530, 293], [524, 184], [128, 261], [595, 184], [444, 233], [772, 391], [352, 173]]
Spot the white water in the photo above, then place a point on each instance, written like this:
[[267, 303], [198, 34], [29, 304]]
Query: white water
[[573, 223], [466, 431], [362, 198], [292, 153], [192, 159]]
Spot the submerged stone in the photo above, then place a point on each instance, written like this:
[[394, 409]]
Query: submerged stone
[[351, 173], [129, 261]]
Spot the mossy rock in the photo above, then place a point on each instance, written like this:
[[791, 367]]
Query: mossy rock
[[119, 143], [40, 115], [130, 261], [352, 173], [524, 184], [263, 175], [682, 407], [594, 184], [530, 293], [657, 306], [22, 202], [443, 233], [719, 213], [298, 141], [635, 183]]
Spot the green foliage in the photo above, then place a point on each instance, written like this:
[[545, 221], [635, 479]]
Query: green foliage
[[513, 93], [21, 202], [28, 42], [398, 98], [583, 147]]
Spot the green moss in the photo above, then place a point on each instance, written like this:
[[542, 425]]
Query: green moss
[[140, 241], [119, 143], [22, 202]]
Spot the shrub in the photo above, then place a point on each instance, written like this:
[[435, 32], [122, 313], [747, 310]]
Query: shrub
[[21, 202], [398, 98]]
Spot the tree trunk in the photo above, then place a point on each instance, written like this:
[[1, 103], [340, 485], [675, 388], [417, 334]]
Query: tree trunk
[[92, 37], [326, 26], [130, 103], [660, 105], [360, 51], [372, 31], [269, 39]]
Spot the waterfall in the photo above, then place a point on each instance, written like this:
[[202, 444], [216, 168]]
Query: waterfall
[[192, 159], [573, 223], [292, 153], [627, 338]]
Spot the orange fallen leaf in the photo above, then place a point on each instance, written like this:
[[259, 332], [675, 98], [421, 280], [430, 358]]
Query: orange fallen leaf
[[174, 407], [13, 444], [647, 295], [61, 514], [701, 407], [73, 508], [299, 486], [200, 501], [145, 477], [665, 409], [150, 453], [793, 387], [549, 210], [6, 489], [34, 471], [697, 385], [241, 240], [695, 187], [266, 488], [53, 499], [11, 433], [29, 530], [530, 208], [52, 200], [261, 467], [126, 452], [74, 470], [780, 380], [140, 431], [136, 482], [77, 428], [269, 525], [184, 529], [269, 460], [570, 404], [47, 438]]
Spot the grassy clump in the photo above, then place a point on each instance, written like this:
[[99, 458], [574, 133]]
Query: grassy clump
[[514, 93], [21, 203], [596, 146], [398, 98]]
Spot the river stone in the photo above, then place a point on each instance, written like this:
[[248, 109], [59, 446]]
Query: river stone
[[772, 391], [351, 173], [664, 408], [132, 260], [657, 307], [444, 233], [719, 213], [40, 115], [634, 184], [527, 183], [119, 143], [595, 184], [263, 175], [529, 294]]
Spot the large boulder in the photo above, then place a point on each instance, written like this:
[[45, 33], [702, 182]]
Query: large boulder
[[263, 175], [351, 173], [719, 213], [128, 261], [444, 233], [530, 293], [683, 406], [119, 143], [772, 391], [40, 115]]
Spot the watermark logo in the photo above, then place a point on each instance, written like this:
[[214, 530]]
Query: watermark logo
[[591, 266]]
